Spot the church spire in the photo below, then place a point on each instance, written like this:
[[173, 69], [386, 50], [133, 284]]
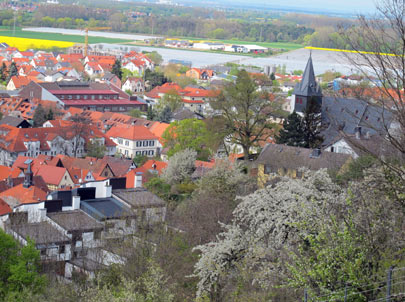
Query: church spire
[[308, 86]]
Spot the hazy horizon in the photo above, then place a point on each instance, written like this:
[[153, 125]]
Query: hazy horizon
[[342, 6]]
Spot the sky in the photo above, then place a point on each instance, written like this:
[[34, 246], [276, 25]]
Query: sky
[[354, 7]]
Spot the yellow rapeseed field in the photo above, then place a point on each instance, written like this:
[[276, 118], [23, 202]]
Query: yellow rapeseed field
[[25, 43]]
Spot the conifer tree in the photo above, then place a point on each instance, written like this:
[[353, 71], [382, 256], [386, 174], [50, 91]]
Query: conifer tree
[[116, 69], [292, 133], [12, 71]]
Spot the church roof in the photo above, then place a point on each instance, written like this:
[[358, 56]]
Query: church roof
[[308, 85]]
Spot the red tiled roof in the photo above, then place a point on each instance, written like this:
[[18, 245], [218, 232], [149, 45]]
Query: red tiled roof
[[23, 195], [4, 172], [20, 81], [52, 175], [155, 165], [131, 133], [4, 208]]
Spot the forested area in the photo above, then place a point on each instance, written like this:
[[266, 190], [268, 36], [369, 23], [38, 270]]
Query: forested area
[[172, 21]]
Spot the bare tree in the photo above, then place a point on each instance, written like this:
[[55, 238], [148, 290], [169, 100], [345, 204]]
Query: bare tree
[[379, 46]]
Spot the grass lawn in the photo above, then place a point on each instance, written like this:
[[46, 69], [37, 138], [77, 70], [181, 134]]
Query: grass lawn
[[5, 31]]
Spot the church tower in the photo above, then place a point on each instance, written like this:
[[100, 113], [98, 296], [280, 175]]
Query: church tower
[[307, 94]]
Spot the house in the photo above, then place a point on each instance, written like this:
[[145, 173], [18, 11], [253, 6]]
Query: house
[[111, 78], [134, 85], [17, 82], [135, 66], [15, 122], [200, 74], [287, 161], [134, 140], [71, 140], [93, 69], [55, 177]]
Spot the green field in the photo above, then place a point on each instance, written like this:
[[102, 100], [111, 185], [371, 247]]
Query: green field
[[5, 31]]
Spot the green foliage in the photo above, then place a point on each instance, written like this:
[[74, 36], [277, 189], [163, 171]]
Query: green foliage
[[155, 57], [12, 71], [95, 149], [39, 116], [159, 187], [154, 78], [187, 134], [355, 169], [165, 115], [245, 112], [150, 114], [117, 69], [292, 133], [19, 269], [135, 113], [140, 159], [172, 100]]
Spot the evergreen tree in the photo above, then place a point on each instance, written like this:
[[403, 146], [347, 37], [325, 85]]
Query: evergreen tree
[[50, 116], [166, 115], [150, 115], [40, 116], [116, 69], [292, 133], [12, 71], [3, 72], [311, 124]]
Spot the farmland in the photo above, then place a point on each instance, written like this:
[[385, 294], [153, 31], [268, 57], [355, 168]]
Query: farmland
[[5, 31], [25, 43]]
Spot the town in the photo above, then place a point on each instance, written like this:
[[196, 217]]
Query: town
[[128, 175]]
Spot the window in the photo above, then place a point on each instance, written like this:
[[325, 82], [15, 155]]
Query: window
[[97, 235], [126, 143], [43, 252], [70, 97], [85, 97], [138, 152], [151, 152], [61, 249], [144, 152], [145, 143], [126, 152], [151, 143], [120, 141], [93, 97], [106, 173], [267, 169], [138, 143]]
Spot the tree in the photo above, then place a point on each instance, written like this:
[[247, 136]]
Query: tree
[[155, 57], [172, 100], [19, 268], [187, 134], [311, 124], [135, 113], [95, 149], [166, 115], [12, 71], [154, 78], [292, 133], [261, 231], [117, 69], [181, 166], [380, 35], [245, 111], [3, 72], [150, 114], [40, 116]]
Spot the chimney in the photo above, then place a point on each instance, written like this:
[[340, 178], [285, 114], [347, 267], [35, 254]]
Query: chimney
[[75, 202], [138, 180], [358, 132], [28, 178]]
